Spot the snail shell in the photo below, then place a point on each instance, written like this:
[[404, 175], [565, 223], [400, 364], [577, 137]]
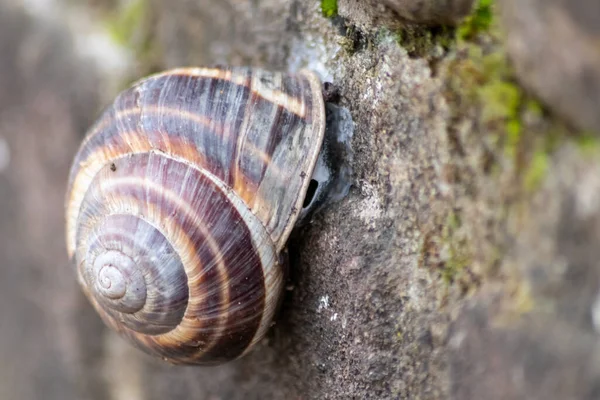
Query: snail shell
[[180, 202]]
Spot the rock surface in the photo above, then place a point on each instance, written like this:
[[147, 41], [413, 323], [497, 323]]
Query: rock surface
[[568, 33], [463, 263], [432, 11]]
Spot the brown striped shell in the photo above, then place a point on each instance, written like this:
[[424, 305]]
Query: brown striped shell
[[181, 199]]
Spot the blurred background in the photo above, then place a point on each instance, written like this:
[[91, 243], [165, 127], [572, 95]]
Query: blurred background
[[49, 95], [464, 262]]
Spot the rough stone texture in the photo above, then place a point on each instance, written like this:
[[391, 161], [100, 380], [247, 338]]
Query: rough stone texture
[[550, 352], [441, 275], [568, 33], [370, 13], [432, 11], [535, 358]]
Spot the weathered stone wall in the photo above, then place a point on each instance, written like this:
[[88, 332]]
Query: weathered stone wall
[[464, 262]]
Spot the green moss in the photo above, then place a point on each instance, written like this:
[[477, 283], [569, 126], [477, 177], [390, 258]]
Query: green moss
[[456, 263], [588, 143], [420, 41], [125, 22], [500, 108], [447, 249], [513, 131], [130, 25], [484, 83], [497, 133], [452, 222], [534, 108], [329, 8], [479, 21], [536, 171], [501, 143], [457, 249], [501, 101]]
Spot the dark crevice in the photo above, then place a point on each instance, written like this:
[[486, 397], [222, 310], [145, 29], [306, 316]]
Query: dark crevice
[[310, 193]]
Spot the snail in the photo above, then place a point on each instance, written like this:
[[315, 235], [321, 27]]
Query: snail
[[181, 199]]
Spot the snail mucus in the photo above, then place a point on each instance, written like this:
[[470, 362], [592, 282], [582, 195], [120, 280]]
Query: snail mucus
[[181, 199]]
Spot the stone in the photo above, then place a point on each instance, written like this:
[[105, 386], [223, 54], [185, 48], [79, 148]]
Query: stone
[[554, 48]]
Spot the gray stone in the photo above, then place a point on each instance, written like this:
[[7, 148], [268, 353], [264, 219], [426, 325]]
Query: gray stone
[[399, 12], [432, 11], [554, 47]]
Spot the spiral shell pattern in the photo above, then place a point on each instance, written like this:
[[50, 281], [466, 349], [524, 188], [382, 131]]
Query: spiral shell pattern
[[182, 197]]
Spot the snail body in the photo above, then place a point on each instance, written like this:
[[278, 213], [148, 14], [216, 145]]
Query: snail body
[[180, 202]]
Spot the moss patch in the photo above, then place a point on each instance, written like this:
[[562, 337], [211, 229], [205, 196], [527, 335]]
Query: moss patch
[[500, 145], [482, 87], [447, 249], [124, 22], [422, 41], [502, 101], [479, 21], [501, 142], [130, 24], [425, 42], [588, 143], [536, 171], [456, 252], [329, 8]]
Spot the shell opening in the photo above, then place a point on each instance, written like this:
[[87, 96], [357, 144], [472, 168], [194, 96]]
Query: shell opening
[[310, 193], [332, 176]]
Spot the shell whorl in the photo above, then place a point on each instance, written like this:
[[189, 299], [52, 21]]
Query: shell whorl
[[180, 199]]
